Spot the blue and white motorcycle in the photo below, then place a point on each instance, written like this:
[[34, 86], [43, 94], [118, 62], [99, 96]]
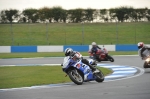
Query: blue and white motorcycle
[[79, 72]]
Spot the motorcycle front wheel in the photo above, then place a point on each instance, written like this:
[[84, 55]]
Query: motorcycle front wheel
[[75, 76]]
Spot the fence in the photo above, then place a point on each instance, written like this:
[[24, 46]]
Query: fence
[[30, 34]]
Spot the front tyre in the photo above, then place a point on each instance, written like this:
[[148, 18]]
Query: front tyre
[[75, 76], [99, 76]]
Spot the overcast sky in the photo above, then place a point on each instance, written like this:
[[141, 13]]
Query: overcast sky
[[71, 4]]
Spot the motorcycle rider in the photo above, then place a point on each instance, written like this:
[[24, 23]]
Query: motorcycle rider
[[143, 50], [94, 49], [77, 56]]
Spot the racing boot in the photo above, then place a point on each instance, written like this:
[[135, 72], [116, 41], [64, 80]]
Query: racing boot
[[94, 70], [85, 61], [94, 63]]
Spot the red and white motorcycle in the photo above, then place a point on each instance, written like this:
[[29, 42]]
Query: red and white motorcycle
[[101, 55]]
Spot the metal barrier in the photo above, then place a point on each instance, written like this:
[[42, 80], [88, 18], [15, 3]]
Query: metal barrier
[[61, 48]]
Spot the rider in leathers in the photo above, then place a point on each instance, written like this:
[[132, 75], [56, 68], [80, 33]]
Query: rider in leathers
[[76, 56], [94, 49], [143, 50]]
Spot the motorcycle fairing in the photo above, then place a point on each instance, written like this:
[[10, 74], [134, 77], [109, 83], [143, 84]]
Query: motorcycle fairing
[[85, 69]]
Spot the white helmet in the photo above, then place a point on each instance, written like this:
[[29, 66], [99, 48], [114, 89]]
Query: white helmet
[[68, 51], [93, 43], [140, 45]]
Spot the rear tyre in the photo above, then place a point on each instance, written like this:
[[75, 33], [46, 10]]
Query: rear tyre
[[75, 76], [110, 58], [99, 76]]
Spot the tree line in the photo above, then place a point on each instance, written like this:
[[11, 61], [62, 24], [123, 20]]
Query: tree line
[[58, 14]]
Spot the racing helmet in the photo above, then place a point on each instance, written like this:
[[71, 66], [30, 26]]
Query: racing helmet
[[68, 51], [93, 44], [140, 45]]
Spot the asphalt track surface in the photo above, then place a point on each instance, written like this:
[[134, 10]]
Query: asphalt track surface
[[132, 88]]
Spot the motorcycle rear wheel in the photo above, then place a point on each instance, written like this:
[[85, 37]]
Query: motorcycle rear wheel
[[111, 58], [75, 76], [99, 76]]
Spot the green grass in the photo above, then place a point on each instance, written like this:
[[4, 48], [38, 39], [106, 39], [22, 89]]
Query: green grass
[[57, 54], [24, 76], [74, 33]]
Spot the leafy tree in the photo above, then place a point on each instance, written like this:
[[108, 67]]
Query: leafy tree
[[71, 16], [77, 15], [103, 14], [123, 13], [89, 14], [31, 14], [58, 14], [148, 15], [3, 16], [134, 15], [141, 13], [9, 15], [45, 13], [64, 15], [24, 19], [96, 15], [112, 14], [128, 13]]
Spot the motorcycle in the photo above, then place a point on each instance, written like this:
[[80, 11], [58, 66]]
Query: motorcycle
[[101, 55], [79, 72]]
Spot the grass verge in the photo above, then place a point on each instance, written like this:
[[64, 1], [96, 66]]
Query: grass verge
[[25, 76], [57, 54]]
